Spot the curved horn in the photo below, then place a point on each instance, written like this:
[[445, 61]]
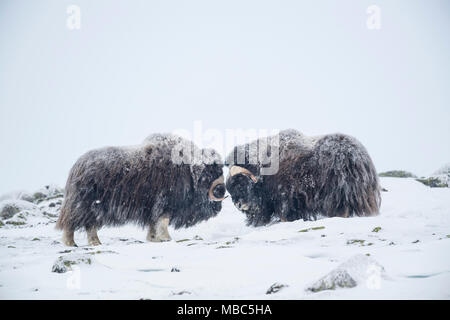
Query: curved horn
[[219, 180], [240, 170]]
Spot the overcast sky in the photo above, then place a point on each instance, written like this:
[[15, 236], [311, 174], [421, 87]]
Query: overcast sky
[[138, 67]]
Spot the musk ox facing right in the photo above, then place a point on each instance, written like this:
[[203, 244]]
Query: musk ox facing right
[[165, 180], [330, 175]]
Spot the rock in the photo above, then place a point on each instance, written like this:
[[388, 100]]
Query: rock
[[276, 287], [439, 179], [8, 211], [179, 293], [174, 269], [38, 196], [65, 263], [433, 182], [9, 208], [397, 174], [48, 193], [59, 267], [338, 278], [357, 270], [443, 174], [16, 223]]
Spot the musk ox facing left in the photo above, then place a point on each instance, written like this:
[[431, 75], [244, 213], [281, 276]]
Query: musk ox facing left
[[165, 180], [330, 175]]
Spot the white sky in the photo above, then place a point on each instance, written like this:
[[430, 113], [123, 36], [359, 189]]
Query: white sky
[[138, 67]]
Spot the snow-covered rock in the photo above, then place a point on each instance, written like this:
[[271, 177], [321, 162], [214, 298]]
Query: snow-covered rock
[[65, 263], [276, 287], [397, 174], [360, 269], [15, 212], [338, 278], [443, 174], [47, 193], [439, 179], [20, 209]]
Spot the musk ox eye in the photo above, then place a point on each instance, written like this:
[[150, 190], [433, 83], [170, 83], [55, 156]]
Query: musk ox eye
[[215, 193], [219, 191]]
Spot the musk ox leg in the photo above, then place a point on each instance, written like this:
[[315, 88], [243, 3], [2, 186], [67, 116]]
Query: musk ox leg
[[93, 239], [67, 238], [159, 232]]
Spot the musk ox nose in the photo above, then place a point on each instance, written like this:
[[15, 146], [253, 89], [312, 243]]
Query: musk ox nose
[[219, 191]]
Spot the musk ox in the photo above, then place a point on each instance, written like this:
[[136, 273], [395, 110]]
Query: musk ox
[[330, 175], [165, 180]]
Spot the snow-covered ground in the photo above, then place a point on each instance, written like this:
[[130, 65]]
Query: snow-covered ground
[[224, 259]]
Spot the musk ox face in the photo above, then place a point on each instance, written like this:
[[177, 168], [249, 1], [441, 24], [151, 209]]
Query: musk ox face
[[210, 191], [247, 194]]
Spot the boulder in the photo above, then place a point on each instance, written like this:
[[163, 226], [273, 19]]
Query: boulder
[[9, 208], [397, 174], [65, 263], [360, 269]]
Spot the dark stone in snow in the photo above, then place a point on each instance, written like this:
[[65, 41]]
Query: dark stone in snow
[[276, 287]]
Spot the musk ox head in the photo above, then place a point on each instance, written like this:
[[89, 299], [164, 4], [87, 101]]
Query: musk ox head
[[246, 180], [248, 194], [208, 185]]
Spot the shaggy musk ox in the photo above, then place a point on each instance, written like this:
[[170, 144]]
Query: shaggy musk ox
[[165, 180], [330, 175]]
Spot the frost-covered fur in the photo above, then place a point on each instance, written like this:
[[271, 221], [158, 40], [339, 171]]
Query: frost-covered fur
[[330, 175], [141, 184]]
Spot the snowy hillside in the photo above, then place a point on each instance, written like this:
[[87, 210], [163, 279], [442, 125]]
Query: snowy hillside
[[402, 254]]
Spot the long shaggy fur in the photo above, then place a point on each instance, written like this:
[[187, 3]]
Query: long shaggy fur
[[115, 185], [331, 175]]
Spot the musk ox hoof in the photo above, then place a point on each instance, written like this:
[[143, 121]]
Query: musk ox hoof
[[95, 243], [93, 239], [158, 238], [159, 232], [69, 243], [67, 239]]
